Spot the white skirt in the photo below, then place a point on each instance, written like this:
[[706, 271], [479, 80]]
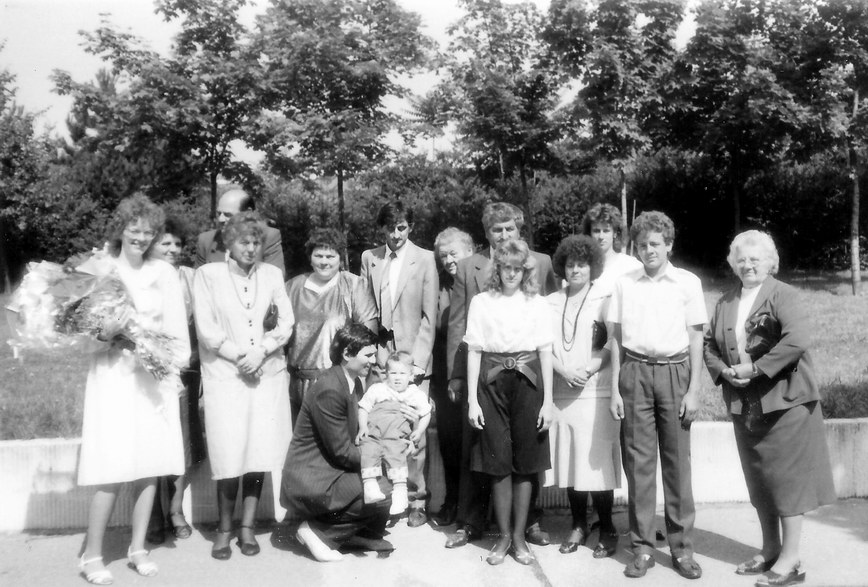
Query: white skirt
[[585, 446], [132, 425], [248, 428]]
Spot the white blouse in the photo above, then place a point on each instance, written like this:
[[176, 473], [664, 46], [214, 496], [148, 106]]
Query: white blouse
[[508, 324]]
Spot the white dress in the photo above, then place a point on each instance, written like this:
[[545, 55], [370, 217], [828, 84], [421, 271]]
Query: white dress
[[584, 443], [247, 424], [132, 427]]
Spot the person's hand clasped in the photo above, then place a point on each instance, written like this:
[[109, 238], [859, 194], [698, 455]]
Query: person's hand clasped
[[363, 433], [742, 371], [474, 415], [546, 417], [730, 376], [455, 390], [410, 448], [249, 363], [409, 413], [577, 377]]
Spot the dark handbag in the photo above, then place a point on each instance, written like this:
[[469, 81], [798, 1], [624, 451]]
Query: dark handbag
[[270, 320], [599, 335], [763, 332]]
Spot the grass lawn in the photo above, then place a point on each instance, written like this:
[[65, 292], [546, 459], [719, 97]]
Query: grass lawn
[[42, 395]]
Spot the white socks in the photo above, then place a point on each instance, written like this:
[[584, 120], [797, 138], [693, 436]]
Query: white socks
[[400, 502], [372, 491]]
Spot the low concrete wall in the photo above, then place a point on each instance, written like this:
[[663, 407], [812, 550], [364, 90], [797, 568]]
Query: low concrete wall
[[38, 489]]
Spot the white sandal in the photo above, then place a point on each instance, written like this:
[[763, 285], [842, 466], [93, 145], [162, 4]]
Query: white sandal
[[147, 568], [100, 577]]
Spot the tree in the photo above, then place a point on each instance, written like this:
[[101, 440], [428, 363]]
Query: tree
[[623, 53], [330, 66], [504, 92]]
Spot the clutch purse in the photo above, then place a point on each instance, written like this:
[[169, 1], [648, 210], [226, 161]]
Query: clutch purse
[[599, 335], [270, 320], [763, 332]]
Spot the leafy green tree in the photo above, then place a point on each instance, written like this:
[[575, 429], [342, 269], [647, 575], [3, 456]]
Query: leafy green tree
[[331, 64], [504, 92]]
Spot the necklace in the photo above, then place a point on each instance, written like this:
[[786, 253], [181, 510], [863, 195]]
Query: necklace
[[235, 287], [568, 344]]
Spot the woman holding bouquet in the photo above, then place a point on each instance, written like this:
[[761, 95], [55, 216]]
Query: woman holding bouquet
[[757, 348], [132, 429], [586, 452], [247, 416]]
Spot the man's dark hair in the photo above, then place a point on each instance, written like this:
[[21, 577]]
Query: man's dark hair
[[392, 213], [351, 338]]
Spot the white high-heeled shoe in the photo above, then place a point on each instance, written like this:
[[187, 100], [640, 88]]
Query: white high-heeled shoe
[[146, 568], [99, 577], [317, 548]]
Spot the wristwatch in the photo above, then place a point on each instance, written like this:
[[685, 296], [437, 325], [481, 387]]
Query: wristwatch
[[754, 372]]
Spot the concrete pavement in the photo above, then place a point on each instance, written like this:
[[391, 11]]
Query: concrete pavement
[[834, 552]]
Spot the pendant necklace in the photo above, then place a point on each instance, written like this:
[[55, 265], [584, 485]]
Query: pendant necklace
[[568, 344]]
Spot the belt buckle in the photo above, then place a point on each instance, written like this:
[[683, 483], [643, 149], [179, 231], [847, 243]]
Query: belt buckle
[[510, 363]]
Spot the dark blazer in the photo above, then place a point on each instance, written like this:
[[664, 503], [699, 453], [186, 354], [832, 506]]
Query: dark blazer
[[210, 249], [470, 280], [414, 309], [786, 371], [322, 469]]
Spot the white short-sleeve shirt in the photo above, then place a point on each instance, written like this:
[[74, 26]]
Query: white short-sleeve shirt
[[655, 314], [508, 324]]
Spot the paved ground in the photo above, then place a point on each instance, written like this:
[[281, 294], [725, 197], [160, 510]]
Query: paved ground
[[834, 547]]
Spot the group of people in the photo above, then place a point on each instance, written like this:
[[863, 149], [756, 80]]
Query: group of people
[[533, 370]]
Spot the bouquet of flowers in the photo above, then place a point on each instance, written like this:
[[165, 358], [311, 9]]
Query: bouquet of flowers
[[63, 306]]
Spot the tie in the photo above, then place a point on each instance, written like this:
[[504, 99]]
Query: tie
[[357, 389], [386, 293]]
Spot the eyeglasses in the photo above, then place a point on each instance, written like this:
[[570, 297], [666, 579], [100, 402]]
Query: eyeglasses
[[135, 232]]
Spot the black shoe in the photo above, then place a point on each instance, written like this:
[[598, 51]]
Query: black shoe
[[461, 537], [687, 567], [535, 535], [576, 539], [180, 528], [223, 552], [249, 547], [639, 566], [608, 544], [417, 517], [446, 515]]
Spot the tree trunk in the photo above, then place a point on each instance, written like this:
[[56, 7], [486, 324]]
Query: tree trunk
[[341, 217], [5, 278], [213, 179], [855, 268], [625, 233], [528, 211]]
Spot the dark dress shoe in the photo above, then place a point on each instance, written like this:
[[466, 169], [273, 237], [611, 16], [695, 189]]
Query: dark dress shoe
[[221, 549], [576, 538], [639, 566], [755, 567], [446, 515], [247, 542], [687, 567], [180, 528], [608, 544], [535, 535], [416, 518], [796, 575], [461, 537]]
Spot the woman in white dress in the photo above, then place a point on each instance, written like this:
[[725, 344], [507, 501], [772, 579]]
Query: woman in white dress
[[132, 429], [604, 224], [584, 439], [247, 415]]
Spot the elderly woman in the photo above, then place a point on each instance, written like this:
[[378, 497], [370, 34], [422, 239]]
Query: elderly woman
[[450, 246], [323, 301], [586, 452], [132, 429], [604, 224], [757, 348], [509, 391], [243, 374], [169, 248]]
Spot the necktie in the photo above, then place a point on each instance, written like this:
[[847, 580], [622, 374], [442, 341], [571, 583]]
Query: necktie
[[386, 293], [357, 389]]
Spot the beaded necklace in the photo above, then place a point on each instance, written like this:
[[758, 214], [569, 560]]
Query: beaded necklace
[[571, 342]]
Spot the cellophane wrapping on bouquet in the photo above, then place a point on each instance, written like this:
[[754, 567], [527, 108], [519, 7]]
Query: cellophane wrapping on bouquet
[[65, 306]]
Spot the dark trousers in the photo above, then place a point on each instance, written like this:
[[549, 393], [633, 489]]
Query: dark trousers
[[359, 526], [474, 489], [449, 417], [652, 396]]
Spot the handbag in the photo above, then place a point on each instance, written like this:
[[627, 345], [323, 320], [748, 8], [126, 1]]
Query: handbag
[[763, 332], [599, 335], [270, 320]]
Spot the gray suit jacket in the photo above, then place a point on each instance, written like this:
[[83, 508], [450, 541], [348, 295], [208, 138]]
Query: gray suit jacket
[[470, 280], [414, 309], [787, 372]]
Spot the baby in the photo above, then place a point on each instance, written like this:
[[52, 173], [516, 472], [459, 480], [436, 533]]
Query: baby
[[385, 433]]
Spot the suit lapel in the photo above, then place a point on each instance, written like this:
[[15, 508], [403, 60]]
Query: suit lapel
[[765, 291], [377, 264], [404, 275], [728, 325], [481, 261]]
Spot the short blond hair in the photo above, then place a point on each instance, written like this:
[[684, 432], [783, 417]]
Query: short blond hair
[[761, 239]]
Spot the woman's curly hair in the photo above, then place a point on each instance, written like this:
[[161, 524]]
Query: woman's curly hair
[[580, 248]]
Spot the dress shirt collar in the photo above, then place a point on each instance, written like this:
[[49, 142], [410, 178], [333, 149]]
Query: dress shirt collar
[[236, 269], [400, 254], [668, 272], [351, 381]]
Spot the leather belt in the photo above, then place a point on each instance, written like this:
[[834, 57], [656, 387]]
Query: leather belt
[[494, 364], [671, 360]]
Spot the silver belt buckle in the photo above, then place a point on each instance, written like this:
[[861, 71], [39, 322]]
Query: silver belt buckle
[[510, 364]]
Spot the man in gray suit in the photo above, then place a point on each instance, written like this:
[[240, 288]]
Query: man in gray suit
[[502, 223], [209, 245], [403, 279]]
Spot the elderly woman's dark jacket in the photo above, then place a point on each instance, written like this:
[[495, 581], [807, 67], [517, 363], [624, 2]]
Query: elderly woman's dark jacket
[[786, 372]]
